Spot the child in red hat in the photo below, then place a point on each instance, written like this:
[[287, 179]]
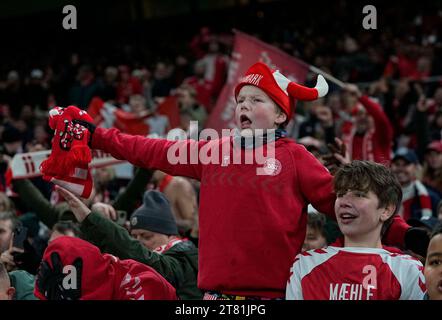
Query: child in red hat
[[252, 223]]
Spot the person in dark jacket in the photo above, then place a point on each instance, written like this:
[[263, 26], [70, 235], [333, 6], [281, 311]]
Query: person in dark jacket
[[156, 243]]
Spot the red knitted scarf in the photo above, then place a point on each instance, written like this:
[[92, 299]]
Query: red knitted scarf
[[68, 164]]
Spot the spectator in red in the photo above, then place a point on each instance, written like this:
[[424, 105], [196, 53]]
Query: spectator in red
[[127, 86], [199, 42], [96, 276], [216, 67], [368, 197], [371, 135], [432, 175], [261, 215], [202, 86], [404, 63], [417, 200], [187, 101]]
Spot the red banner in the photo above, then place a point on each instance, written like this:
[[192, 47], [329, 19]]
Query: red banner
[[108, 116], [247, 51]]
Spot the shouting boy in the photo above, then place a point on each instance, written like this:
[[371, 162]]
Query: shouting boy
[[368, 197], [251, 225]]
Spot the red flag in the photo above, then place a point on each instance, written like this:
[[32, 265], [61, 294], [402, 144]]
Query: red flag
[[107, 115], [169, 107], [131, 123], [247, 51]]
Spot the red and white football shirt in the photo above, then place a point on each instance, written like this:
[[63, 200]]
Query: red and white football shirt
[[351, 273]]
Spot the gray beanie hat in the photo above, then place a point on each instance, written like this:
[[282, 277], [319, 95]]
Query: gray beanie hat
[[154, 215]]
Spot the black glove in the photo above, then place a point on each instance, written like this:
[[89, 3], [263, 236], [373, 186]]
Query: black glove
[[417, 240], [50, 280], [88, 125]]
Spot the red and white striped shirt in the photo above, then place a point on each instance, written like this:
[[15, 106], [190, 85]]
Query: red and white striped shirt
[[351, 273]]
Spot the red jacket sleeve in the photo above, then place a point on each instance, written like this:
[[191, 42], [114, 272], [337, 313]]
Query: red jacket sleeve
[[177, 158], [316, 182], [395, 235], [384, 130]]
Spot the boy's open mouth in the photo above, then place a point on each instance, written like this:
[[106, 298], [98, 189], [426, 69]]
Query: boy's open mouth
[[245, 121], [347, 217]]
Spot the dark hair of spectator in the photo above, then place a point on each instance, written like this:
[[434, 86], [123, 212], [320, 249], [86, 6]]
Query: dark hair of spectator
[[64, 227], [437, 230], [6, 204], [8, 215], [316, 221], [370, 176]]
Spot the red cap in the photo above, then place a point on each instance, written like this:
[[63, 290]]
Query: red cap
[[436, 146], [261, 76]]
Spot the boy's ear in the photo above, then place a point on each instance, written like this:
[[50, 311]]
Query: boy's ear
[[281, 118], [388, 212]]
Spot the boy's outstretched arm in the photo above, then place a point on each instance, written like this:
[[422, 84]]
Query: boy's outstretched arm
[[316, 182], [173, 157]]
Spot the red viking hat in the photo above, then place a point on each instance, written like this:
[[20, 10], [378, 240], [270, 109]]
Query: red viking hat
[[261, 76]]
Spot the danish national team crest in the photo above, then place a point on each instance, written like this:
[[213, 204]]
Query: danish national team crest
[[272, 167]]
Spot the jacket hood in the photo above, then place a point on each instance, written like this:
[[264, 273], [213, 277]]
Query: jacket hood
[[104, 276]]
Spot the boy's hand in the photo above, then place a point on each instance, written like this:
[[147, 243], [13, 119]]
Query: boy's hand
[[80, 210]]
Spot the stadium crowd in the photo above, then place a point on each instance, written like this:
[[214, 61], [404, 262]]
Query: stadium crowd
[[139, 237]]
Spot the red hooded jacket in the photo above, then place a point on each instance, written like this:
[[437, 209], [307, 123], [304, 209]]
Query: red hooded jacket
[[105, 277]]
